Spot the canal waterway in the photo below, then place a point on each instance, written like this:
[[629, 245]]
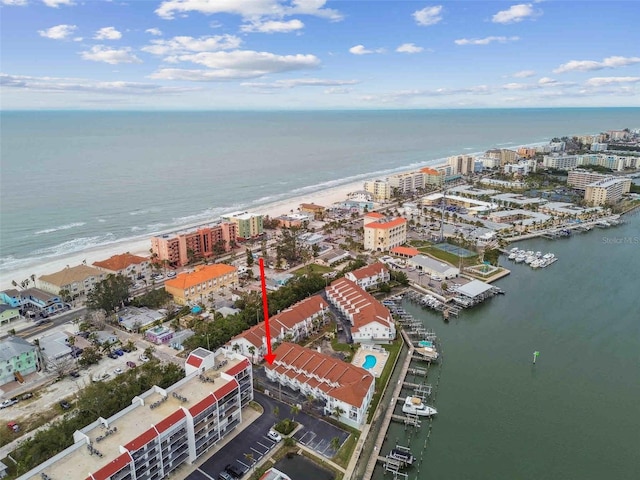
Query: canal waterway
[[573, 415]]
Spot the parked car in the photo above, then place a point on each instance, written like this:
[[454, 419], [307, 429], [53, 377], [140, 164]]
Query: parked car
[[9, 402], [131, 364], [117, 371], [224, 476], [13, 426], [113, 355], [234, 470], [127, 349], [275, 436], [75, 374], [26, 396], [65, 405], [119, 352], [143, 358]]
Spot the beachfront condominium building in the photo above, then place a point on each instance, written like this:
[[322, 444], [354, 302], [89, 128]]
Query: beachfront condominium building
[[380, 190], [317, 210], [526, 152], [371, 322], [461, 164], [560, 161], [607, 191], [614, 162], [370, 276], [78, 280], [504, 155], [178, 248], [131, 266], [248, 225], [163, 428], [406, 182], [194, 287], [579, 179], [347, 390], [433, 176], [18, 358], [293, 324], [382, 234]]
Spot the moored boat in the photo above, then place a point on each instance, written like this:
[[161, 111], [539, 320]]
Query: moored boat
[[415, 406]]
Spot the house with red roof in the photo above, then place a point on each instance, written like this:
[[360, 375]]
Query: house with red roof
[[369, 276], [127, 265], [346, 389], [371, 322], [292, 324]]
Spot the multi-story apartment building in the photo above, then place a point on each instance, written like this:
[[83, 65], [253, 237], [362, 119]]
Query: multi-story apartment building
[[294, 323], [201, 243], [598, 147], [34, 300], [526, 152], [407, 182], [433, 176], [18, 358], [369, 276], [248, 225], [78, 280], [614, 162], [347, 390], [607, 191], [560, 162], [461, 164], [162, 429], [127, 265], [382, 234], [193, 287], [370, 320], [379, 189], [579, 179], [503, 154]]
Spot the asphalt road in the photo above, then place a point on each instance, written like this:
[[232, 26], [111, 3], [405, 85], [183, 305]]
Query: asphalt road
[[316, 434], [52, 323]]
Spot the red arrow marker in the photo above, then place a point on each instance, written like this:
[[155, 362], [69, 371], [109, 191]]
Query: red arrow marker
[[269, 357]]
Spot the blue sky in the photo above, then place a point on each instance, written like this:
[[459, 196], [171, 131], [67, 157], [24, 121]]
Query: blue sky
[[292, 54]]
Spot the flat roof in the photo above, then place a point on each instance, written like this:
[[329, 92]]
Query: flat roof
[[474, 288], [139, 420], [431, 263]]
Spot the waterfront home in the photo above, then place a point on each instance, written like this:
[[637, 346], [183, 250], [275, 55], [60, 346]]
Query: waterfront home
[[18, 358], [248, 225], [78, 280], [294, 323], [38, 301], [316, 210], [130, 266], [10, 297], [369, 276], [194, 287], [371, 321], [347, 390], [8, 313]]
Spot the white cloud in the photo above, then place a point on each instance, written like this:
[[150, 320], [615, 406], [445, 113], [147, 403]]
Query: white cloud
[[154, 31], [409, 48], [59, 32], [428, 15], [249, 9], [604, 81], [55, 84], [108, 33], [113, 56], [590, 65], [299, 82], [485, 41], [515, 13], [337, 91], [238, 64], [57, 3], [180, 45], [273, 26], [524, 74], [361, 50], [14, 3], [544, 82]]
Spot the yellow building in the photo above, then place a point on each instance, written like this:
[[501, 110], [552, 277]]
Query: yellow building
[[379, 189], [607, 191], [194, 287], [382, 234]]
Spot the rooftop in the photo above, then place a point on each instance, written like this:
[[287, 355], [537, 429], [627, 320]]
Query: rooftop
[[474, 288], [120, 262], [431, 263], [407, 251], [368, 271], [396, 222], [201, 275], [71, 275], [362, 306], [14, 346]]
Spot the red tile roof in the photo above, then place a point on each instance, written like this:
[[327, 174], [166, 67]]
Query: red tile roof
[[172, 419], [202, 405], [339, 379], [361, 305], [386, 225], [236, 369], [120, 262], [369, 271], [407, 251], [374, 215], [203, 274], [226, 389], [194, 361], [141, 440], [287, 319], [112, 467]]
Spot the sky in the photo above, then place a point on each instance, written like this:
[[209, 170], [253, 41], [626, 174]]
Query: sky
[[317, 54]]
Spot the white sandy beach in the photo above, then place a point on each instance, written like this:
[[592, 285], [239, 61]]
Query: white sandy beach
[[142, 247]]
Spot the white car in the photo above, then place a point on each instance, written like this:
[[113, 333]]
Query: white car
[[275, 436], [117, 371], [143, 358]]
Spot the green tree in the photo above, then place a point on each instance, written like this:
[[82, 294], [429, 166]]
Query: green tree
[[295, 410], [249, 258], [90, 356], [109, 294], [335, 444]]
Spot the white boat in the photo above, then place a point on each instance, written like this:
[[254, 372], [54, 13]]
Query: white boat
[[513, 250], [520, 258], [538, 254], [536, 263], [428, 353], [529, 259], [415, 406], [512, 256]]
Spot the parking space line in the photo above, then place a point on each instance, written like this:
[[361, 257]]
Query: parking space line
[[265, 446], [241, 463], [205, 473], [260, 454]]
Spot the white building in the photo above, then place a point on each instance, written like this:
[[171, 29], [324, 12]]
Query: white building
[[127, 265], [370, 320], [433, 267], [407, 182], [345, 388], [461, 164], [369, 276], [560, 162], [382, 234]]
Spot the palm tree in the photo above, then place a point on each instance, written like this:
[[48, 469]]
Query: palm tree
[[335, 444], [252, 351], [295, 410], [337, 411]]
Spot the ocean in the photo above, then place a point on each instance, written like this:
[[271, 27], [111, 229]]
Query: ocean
[[572, 415], [71, 180]]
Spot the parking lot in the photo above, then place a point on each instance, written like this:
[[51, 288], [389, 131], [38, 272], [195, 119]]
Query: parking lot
[[252, 444]]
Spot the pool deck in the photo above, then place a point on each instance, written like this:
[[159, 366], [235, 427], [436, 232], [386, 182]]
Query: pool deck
[[381, 359]]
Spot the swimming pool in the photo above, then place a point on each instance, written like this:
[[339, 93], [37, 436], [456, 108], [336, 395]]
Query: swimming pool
[[369, 362]]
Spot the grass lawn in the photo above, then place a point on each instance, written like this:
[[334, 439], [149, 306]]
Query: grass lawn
[[448, 257], [343, 456], [381, 381], [314, 269], [419, 243]]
